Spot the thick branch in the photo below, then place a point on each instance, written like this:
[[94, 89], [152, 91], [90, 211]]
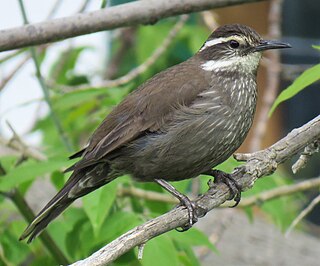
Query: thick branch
[[258, 164], [134, 13]]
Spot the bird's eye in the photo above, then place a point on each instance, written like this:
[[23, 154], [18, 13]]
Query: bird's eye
[[234, 44]]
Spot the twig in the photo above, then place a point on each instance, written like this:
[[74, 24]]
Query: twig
[[14, 71], [303, 214], [12, 55], [84, 6], [258, 164], [16, 143], [305, 155], [138, 70], [54, 9], [279, 192], [140, 251], [245, 202], [273, 70], [45, 89], [129, 14], [147, 195]]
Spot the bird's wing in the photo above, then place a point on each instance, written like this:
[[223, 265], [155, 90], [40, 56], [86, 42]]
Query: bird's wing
[[144, 110]]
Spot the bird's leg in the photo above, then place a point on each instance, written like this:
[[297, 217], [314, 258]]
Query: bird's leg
[[184, 200], [220, 176]]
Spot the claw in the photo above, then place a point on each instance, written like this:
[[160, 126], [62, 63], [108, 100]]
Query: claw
[[235, 189], [185, 201]]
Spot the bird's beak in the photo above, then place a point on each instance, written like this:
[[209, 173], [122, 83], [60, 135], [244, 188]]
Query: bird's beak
[[267, 45]]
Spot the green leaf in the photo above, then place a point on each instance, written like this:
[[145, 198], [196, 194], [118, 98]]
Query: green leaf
[[72, 99], [282, 210], [193, 237], [57, 178], [316, 47], [13, 250], [154, 206], [116, 224], [308, 77], [160, 251], [98, 204], [187, 256], [65, 63], [73, 243], [29, 171]]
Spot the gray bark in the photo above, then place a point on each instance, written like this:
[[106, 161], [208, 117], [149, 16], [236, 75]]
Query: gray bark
[[131, 14]]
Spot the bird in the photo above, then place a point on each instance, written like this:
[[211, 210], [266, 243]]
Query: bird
[[179, 124]]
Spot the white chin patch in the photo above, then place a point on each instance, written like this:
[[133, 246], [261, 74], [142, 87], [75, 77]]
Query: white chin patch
[[248, 63]]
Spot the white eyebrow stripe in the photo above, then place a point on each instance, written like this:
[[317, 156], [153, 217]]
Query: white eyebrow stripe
[[220, 40]]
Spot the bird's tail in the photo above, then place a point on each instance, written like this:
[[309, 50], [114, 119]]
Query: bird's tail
[[79, 184]]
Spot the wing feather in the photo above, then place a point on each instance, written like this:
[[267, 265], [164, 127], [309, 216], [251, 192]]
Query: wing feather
[[146, 109]]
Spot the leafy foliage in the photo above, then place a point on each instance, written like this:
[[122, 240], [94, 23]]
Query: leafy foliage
[[308, 77]]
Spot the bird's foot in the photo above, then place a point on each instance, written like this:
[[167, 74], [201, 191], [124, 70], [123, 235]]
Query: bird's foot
[[222, 177], [184, 201], [191, 207]]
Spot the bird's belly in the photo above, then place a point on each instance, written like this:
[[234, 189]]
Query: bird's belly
[[185, 150]]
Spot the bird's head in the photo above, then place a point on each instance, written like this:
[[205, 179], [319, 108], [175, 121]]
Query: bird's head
[[235, 47]]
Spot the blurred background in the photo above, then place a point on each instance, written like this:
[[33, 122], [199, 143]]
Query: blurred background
[[87, 76]]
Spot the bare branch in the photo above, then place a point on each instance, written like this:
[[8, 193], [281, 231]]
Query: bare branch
[[258, 164], [14, 71], [146, 194], [280, 191], [303, 214], [130, 14], [17, 144]]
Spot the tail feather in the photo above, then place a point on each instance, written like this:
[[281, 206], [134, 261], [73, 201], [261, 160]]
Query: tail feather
[[79, 184], [42, 220]]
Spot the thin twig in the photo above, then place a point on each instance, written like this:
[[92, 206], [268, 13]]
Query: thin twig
[[245, 202], [273, 71], [45, 89], [14, 71], [145, 194], [136, 71], [305, 155], [54, 9], [17, 144], [140, 250], [280, 192], [12, 55], [84, 6], [303, 214]]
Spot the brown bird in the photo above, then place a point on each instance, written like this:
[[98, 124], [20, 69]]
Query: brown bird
[[177, 125]]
